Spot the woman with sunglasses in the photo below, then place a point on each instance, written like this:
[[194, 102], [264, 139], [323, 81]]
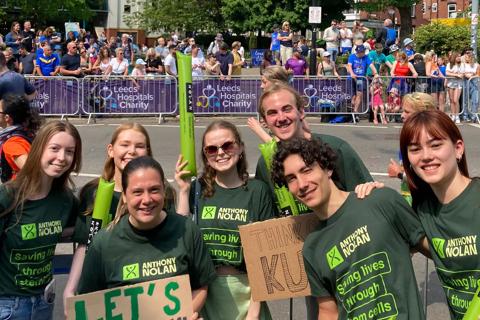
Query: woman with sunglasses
[[221, 200], [286, 42], [119, 65]]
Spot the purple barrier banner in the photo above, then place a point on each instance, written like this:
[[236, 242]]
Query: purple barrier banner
[[122, 96], [226, 96], [325, 95], [56, 96]]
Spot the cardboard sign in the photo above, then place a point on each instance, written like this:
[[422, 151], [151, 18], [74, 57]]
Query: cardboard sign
[[273, 256], [164, 299]]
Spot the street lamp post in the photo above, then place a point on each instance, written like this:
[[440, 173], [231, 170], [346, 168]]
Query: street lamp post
[[313, 53]]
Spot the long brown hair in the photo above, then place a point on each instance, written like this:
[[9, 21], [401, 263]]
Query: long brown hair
[[439, 126], [29, 179], [207, 179]]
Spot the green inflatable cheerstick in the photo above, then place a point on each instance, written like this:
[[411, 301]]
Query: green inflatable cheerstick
[[101, 208], [286, 201], [187, 119], [473, 311]]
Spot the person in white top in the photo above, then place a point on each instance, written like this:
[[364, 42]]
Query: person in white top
[[170, 61], [455, 72], [471, 69], [139, 69], [346, 36], [331, 35], [198, 63], [119, 65]]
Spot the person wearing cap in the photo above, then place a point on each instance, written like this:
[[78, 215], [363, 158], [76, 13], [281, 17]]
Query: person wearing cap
[[331, 35], [408, 48], [214, 46], [326, 68], [226, 61], [286, 42], [357, 66], [392, 57], [139, 69], [275, 44], [297, 65]]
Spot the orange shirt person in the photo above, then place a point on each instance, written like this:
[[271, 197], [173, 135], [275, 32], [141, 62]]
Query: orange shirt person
[[20, 123]]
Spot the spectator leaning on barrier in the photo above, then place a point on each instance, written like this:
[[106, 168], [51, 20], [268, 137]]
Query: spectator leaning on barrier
[[326, 68], [119, 65], [47, 63], [171, 61], [70, 65], [226, 60], [212, 66], [154, 62], [27, 61], [331, 35], [357, 66], [377, 57], [102, 64], [20, 123]]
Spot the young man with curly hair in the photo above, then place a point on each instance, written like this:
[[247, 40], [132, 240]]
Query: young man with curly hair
[[358, 259]]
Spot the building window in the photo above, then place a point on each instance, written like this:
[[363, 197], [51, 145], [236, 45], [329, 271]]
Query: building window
[[414, 7], [452, 10], [434, 7], [127, 9]]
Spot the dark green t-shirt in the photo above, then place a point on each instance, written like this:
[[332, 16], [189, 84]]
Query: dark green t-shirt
[[361, 257], [452, 231], [83, 222], [28, 247], [125, 255], [220, 216], [349, 168]]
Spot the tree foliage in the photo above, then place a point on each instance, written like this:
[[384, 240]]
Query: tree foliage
[[442, 38], [404, 8], [42, 11], [187, 15]]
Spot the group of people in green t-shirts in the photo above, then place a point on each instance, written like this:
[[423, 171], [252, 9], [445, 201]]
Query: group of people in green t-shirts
[[358, 260]]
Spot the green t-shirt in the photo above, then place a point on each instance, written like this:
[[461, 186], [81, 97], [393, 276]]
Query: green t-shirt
[[452, 231], [125, 255], [82, 225], [28, 247], [349, 168], [361, 257], [220, 216], [390, 58]]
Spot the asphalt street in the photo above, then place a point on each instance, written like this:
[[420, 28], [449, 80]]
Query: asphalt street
[[375, 145]]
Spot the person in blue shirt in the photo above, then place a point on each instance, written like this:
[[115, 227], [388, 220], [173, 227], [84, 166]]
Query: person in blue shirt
[[408, 48], [275, 44], [48, 63], [357, 66]]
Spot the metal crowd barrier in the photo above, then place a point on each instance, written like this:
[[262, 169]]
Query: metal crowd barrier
[[472, 98], [237, 95], [56, 96], [119, 95]]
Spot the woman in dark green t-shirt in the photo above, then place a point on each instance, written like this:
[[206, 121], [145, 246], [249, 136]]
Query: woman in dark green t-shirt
[[446, 200], [35, 209], [129, 141], [223, 199], [143, 234]]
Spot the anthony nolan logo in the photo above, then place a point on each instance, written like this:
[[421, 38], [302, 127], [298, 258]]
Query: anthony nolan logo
[[132, 271], [334, 257], [29, 231], [438, 245], [208, 212]]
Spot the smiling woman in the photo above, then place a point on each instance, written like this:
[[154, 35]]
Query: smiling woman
[[446, 200], [221, 200], [35, 209], [161, 245]]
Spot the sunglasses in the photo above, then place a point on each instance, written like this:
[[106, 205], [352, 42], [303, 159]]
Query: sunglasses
[[227, 147]]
